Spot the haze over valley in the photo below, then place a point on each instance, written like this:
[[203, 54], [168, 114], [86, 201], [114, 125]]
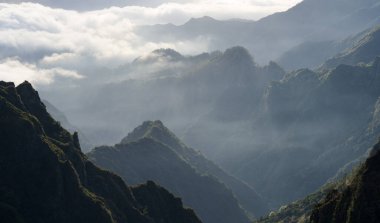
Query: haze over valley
[[190, 111]]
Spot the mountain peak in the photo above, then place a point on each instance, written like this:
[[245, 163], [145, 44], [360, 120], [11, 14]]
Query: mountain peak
[[32, 102], [27, 91], [168, 53], [154, 130], [238, 54], [158, 55], [204, 19], [65, 185], [6, 84]]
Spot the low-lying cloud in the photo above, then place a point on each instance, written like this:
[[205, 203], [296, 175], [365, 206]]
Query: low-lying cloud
[[47, 39], [13, 70]]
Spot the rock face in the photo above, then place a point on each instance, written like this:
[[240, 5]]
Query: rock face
[[140, 158], [359, 201], [46, 178]]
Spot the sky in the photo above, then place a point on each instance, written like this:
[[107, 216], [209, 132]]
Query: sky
[[49, 39]]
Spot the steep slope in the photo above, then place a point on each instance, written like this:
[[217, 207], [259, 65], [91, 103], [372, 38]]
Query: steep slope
[[331, 202], [147, 159], [46, 178], [65, 123], [314, 123], [358, 201], [246, 195], [310, 54], [313, 54], [364, 50], [298, 211]]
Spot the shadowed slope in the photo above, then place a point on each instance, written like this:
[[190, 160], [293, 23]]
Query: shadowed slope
[[46, 178]]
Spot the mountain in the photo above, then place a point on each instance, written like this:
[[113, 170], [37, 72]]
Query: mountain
[[225, 85], [147, 159], [312, 125], [246, 195], [270, 37], [363, 50], [358, 201], [358, 48], [310, 54], [337, 201], [46, 177], [65, 123], [299, 211]]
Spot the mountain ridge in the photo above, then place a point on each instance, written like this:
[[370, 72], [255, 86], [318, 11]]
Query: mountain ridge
[[250, 200], [53, 181], [161, 164]]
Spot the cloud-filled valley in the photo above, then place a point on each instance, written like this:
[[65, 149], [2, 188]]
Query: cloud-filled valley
[[212, 111], [69, 41]]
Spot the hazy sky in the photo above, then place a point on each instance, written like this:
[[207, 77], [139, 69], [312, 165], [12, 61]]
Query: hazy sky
[[44, 43], [158, 11]]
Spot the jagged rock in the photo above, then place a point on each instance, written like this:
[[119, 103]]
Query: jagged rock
[[45, 177]]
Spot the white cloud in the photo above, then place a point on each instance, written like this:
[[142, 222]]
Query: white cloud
[[71, 40], [206, 6], [11, 69]]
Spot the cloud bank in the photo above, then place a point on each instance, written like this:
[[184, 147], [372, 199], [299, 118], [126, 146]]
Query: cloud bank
[[57, 42], [13, 70]]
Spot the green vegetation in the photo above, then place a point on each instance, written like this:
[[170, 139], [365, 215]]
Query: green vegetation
[[358, 200], [300, 211]]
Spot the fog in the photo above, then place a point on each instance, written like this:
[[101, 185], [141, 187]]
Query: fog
[[227, 85]]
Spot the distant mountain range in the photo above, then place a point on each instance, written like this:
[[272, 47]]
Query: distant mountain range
[[316, 123], [247, 118], [179, 92], [46, 177], [270, 37]]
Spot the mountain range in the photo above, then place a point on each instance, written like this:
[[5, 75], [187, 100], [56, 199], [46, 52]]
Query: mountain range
[[249, 119], [176, 89], [294, 135], [316, 123], [270, 37], [153, 152], [46, 177]]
